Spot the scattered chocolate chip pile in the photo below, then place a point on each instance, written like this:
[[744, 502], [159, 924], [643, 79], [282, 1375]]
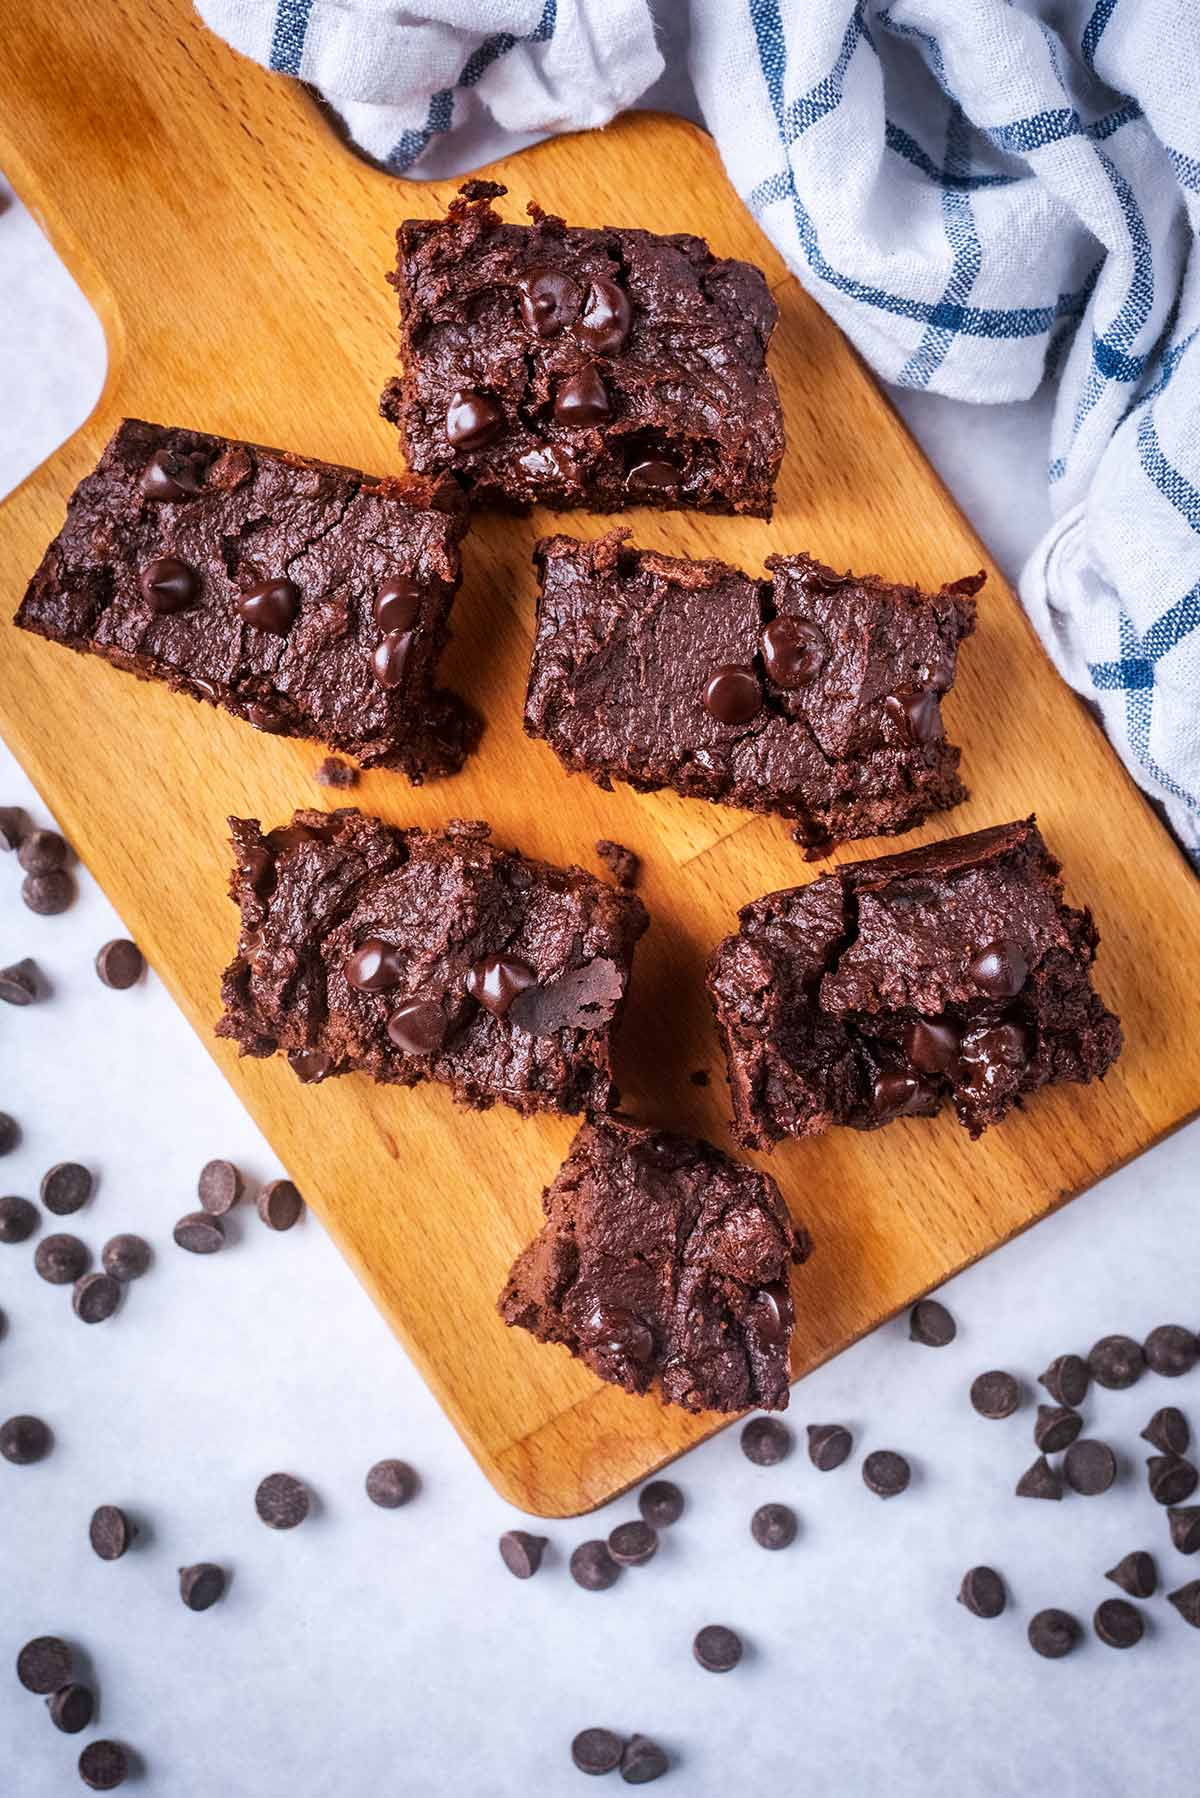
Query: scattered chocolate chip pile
[[219, 1188]]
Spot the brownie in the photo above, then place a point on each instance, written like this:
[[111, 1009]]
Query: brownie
[[953, 972], [661, 1259], [412, 955], [310, 600], [600, 368], [813, 695]]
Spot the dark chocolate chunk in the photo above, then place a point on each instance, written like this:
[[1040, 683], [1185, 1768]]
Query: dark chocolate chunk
[[66, 1188], [61, 1259], [766, 1441], [661, 1503], [103, 1766], [652, 476], [774, 1526], [886, 1473], [496, 981], [901, 1095], [582, 399], [829, 1444], [1184, 1521], [717, 1648], [391, 1484], [199, 1233], [418, 1027], [333, 772], [1170, 1350], [1136, 1574], [71, 1708], [1171, 1479], [24, 1440], [13, 825], [982, 1592], [110, 1532], [270, 605], [18, 1218], [472, 419], [1053, 1634], [44, 1665], [21, 983], [592, 1567], [201, 1585], [42, 852], [1000, 969], [120, 964], [930, 1323], [47, 895], [522, 1553], [1066, 1380], [125, 1257], [282, 1501], [732, 694], [1090, 1467], [10, 1136], [642, 1761], [1186, 1600], [1040, 1481], [1116, 1362], [219, 1187], [1056, 1428], [622, 863], [279, 1205], [633, 1544], [1168, 1431], [96, 1297], [169, 585], [794, 652], [1118, 1623], [597, 1750]]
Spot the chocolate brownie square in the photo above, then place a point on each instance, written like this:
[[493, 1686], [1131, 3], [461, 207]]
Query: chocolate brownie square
[[415, 955], [815, 695], [663, 1260], [310, 600], [952, 972], [599, 368]]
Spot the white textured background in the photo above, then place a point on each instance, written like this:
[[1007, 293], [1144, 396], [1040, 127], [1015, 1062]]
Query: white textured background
[[374, 1652]]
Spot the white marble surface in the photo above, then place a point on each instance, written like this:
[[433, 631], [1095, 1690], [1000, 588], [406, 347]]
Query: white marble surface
[[372, 1651]]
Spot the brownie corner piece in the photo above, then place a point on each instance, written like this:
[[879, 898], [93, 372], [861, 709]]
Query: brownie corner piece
[[414, 955], [600, 368], [663, 1262], [951, 973]]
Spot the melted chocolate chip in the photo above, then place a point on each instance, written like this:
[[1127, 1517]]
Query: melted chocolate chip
[[270, 606], [391, 658], [771, 1313], [988, 1053], [418, 1027], [794, 651], [310, 1066], [607, 317], [653, 475], [584, 998], [170, 476], [1000, 969], [258, 868], [614, 1331], [472, 420], [397, 605], [373, 967], [900, 1096], [495, 982], [733, 695], [931, 1046], [918, 715], [169, 585], [549, 300], [582, 399]]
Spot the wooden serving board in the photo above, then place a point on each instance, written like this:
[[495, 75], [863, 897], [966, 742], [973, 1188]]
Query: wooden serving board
[[236, 253]]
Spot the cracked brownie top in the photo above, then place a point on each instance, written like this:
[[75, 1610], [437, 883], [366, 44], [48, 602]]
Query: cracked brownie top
[[600, 368]]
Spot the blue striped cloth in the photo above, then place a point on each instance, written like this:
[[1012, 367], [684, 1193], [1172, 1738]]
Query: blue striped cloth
[[983, 194]]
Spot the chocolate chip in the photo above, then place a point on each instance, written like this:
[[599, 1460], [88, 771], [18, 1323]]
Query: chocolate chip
[[391, 1484], [282, 1501], [1090, 1467], [661, 1503], [495, 982], [42, 852], [390, 658], [219, 1187], [126, 1257], [1040, 1481], [766, 1441], [1067, 1379], [280, 1205], [120, 964], [732, 694], [169, 585], [1170, 1350], [333, 772], [13, 826], [270, 605], [396, 610], [522, 1553], [584, 998], [472, 419], [986, 1051], [1168, 1430], [419, 1027], [46, 895], [633, 1544], [1116, 1362], [622, 863], [1056, 1428], [930, 1323], [10, 1136], [18, 1218], [374, 966], [829, 1444], [1135, 1574], [1053, 1634], [607, 316], [169, 475], [901, 1095], [614, 1331], [592, 1567], [886, 1473], [103, 1766], [71, 1709], [1184, 1522], [793, 652], [549, 300], [61, 1259], [995, 1394], [642, 1761], [774, 1526], [652, 476], [917, 714], [96, 1297], [582, 399], [44, 1665], [24, 1440], [1187, 1602], [110, 1532], [1118, 1623], [982, 1592], [201, 1586], [597, 1750], [310, 1066], [199, 1233], [717, 1648], [999, 969], [930, 1046], [66, 1188], [1172, 1480]]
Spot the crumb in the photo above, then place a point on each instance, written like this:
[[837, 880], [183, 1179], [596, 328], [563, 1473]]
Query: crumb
[[622, 863], [699, 1077], [333, 772]]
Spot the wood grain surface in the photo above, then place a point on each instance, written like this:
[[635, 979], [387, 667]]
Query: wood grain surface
[[236, 253]]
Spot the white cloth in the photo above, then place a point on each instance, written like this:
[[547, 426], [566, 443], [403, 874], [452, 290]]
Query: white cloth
[[983, 194]]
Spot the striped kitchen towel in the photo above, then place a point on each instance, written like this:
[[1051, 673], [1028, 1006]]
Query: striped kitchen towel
[[983, 193]]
